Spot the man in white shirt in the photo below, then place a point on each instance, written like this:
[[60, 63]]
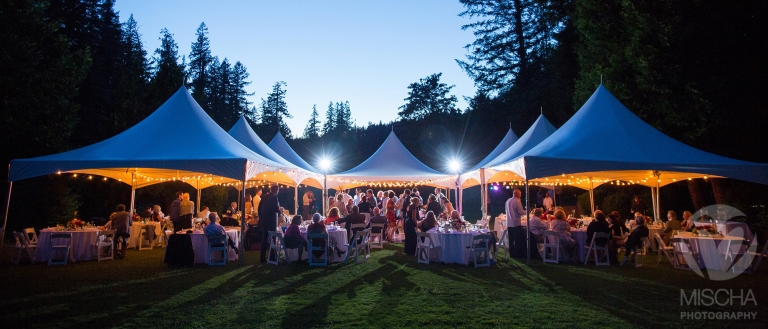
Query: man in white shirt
[[516, 233], [548, 204], [356, 199], [345, 196]]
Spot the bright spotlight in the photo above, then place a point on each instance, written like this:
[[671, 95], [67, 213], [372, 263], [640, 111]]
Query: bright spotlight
[[325, 163], [454, 165]]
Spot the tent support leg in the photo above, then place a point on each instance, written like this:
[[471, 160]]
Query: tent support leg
[[591, 197], [653, 201], [5, 221], [658, 199], [527, 231], [241, 196], [296, 200], [133, 192], [198, 194]]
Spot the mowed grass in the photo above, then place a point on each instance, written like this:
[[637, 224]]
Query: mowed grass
[[389, 290]]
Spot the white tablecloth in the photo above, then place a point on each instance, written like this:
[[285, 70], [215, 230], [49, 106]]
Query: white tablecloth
[[341, 238], [200, 245], [710, 251], [454, 247], [133, 241], [728, 227], [580, 235], [81, 247]]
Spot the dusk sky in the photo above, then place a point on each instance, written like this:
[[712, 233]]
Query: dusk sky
[[364, 52]]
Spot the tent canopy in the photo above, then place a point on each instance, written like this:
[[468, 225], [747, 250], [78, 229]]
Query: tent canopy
[[605, 142], [390, 165], [281, 147], [539, 130], [243, 133], [509, 139], [178, 141]]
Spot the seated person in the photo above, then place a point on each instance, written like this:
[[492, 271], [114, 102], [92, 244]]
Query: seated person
[[333, 216], [293, 238], [673, 225], [204, 213], [635, 239], [537, 226], [228, 221], [377, 219], [599, 225], [563, 230], [433, 205], [213, 228], [354, 218], [282, 219], [687, 223], [121, 222], [429, 222], [317, 227]]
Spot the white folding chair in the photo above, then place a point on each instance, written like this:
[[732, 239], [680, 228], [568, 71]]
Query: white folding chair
[[145, 243], [503, 244], [31, 235], [356, 246], [482, 223], [105, 245], [663, 248], [641, 252], [424, 248], [59, 242], [316, 245], [681, 248], [276, 248], [481, 254], [217, 243], [22, 248], [377, 239], [551, 247], [354, 228], [600, 252], [165, 229]]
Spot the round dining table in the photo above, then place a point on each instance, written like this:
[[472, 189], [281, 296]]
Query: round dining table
[[81, 246]]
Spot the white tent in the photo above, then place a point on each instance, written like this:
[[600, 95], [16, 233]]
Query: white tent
[[177, 142], [243, 133]]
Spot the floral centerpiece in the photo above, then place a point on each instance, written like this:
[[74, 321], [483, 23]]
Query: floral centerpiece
[[458, 224], [76, 223], [705, 230]]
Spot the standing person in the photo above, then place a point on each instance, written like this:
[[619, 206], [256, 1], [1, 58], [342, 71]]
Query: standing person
[[312, 201], [256, 202], [411, 222], [433, 205], [175, 212], [391, 215], [440, 197], [405, 201], [540, 198], [548, 202], [345, 196], [339, 203], [371, 198], [415, 193], [516, 232], [186, 209], [383, 201], [248, 205], [358, 194], [638, 206], [306, 200], [364, 206], [121, 222], [268, 212]]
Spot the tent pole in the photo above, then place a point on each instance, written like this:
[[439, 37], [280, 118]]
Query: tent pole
[[198, 194], [527, 220], [658, 198], [133, 192], [241, 196], [653, 200], [325, 191], [7, 205], [482, 193], [591, 196], [296, 200]]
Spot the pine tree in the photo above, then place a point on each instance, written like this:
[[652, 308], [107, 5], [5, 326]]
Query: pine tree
[[200, 60], [426, 97], [168, 75], [133, 88], [238, 77], [273, 110], [313, 130], [510, 34], [330, 119]]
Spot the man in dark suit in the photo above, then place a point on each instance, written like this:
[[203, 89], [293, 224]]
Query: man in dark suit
[[175, 213], [269, 207], [354, 218], [635, 239]]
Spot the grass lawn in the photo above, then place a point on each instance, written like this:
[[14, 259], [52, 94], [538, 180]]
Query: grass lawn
[[389, 290]]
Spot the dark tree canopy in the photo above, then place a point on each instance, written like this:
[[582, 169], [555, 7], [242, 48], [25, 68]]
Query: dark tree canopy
[[428, 96]]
